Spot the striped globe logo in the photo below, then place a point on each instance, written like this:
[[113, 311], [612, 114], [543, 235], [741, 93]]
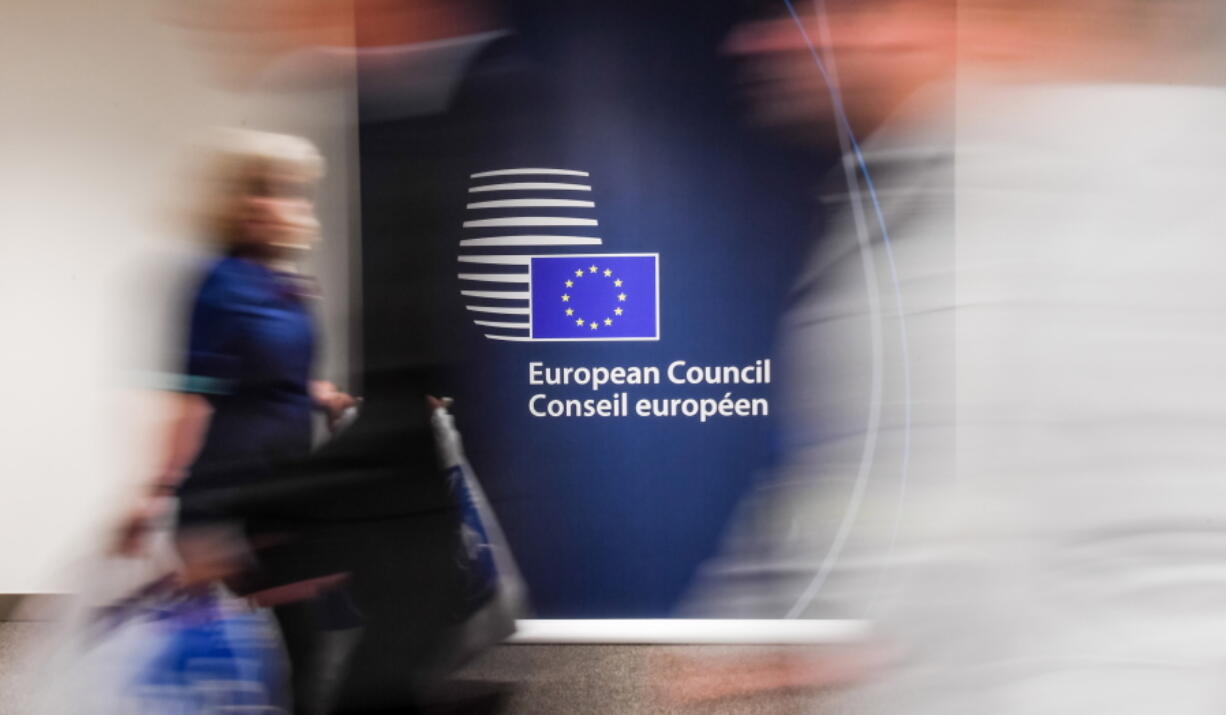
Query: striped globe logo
[[513, 215], [517, 219]]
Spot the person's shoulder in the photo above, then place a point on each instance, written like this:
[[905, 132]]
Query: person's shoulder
[[228, 280]]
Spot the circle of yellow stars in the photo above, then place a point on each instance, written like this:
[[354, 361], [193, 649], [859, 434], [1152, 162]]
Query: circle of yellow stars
[[594, 270]]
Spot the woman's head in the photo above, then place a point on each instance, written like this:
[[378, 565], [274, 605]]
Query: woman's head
[[262, 203]]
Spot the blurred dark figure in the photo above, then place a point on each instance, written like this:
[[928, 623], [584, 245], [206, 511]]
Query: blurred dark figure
[[443, 91]]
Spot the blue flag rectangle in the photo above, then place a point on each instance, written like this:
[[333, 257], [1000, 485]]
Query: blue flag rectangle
[[595, 297]]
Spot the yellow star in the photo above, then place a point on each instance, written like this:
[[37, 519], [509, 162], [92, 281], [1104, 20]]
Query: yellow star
[[608, 272], [617, 283], [592, 268], [570, 311], [621, 296], [570, 284], [617, 311], [565, 298], [593, 324], [579, 321], [579, 272], [608, 321]]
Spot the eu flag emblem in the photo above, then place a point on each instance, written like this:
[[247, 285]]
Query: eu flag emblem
[[595, 297]]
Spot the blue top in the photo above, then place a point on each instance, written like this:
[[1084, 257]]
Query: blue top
[[250, 351]]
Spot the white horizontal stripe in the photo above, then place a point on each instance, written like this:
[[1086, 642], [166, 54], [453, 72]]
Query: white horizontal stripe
[[533, 203], [516, 338], [531, 241], [686, 631], [497, 294], [496, 324], [497, 260], [492, 309], [529, 186], [513, 172], [530, 221], [495, 277]]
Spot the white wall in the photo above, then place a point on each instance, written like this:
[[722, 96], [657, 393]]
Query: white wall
[[100, 102]]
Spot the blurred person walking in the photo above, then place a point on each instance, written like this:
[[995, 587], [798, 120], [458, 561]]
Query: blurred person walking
[[246, 402], [1004, 357], [430, 87]]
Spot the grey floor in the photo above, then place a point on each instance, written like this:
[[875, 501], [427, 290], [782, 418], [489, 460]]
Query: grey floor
[[16, 680], [620, 680]]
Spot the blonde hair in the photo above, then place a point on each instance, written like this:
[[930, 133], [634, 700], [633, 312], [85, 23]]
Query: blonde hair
[[236, 158]]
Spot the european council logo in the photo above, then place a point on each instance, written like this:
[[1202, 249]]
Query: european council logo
[[569, 296]]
